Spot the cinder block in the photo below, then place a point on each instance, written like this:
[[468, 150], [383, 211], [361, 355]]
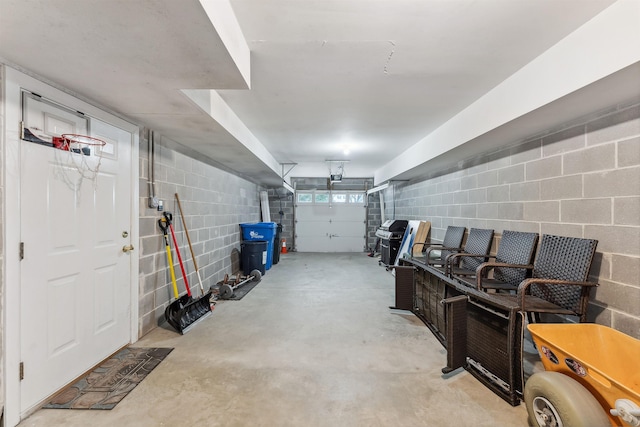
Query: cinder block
[[626, 211], [544, 168], [620, 182], [477, 223], [625, 269], [151, 245], [615, 239], [511, 211], [601, 157], [629, 152], [586, 211], [566, 187], [487, 179], [511, 174], [478, 196], [487, 210], [147, 264], [528, 227], [619, 296], [542, 211], [499, 193], [600, 267], [469, 182], [558, 229], [525, 191], [626, 323], [468, 211]]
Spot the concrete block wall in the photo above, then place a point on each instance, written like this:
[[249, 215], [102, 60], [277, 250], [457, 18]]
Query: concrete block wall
[[581, 181], [281, 200], [374, 219], [214, 203]]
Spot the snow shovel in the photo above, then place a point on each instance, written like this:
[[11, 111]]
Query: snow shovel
[[183, 313], [202, 311]]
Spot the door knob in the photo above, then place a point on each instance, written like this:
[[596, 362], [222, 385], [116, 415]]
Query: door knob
[[127, 248]]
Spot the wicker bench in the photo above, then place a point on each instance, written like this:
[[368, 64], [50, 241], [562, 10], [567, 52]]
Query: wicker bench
[[494, 322]]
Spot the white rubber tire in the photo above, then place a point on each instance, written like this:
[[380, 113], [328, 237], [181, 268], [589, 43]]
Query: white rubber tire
[[557, 400]]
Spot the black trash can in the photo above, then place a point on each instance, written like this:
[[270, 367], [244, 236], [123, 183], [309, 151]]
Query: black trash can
[[254, 256], [276, 244]]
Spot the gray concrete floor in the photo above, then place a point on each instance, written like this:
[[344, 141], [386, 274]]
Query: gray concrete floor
[[314, 344]]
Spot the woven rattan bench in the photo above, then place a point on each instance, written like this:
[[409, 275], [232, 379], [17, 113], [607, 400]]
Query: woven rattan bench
[[494, 322]]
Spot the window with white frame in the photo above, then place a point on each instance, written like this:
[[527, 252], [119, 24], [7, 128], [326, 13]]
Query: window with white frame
[[304, 197], [326, 197]]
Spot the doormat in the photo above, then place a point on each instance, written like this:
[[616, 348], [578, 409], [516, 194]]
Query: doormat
[[108, 384]]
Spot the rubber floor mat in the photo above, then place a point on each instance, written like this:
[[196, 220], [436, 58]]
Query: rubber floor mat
[[240, 292], [109, 383]]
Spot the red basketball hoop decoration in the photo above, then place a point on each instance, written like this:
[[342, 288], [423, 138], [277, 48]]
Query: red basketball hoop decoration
[[85, 153]]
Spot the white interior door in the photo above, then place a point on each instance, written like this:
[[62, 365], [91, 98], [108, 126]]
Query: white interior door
[[75, 290], [330, 222]]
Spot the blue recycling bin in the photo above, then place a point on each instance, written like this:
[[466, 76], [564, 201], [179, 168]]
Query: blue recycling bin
[[261, 231]]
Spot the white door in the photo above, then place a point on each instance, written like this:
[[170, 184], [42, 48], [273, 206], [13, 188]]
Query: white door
[[75, 285], [330, 222]]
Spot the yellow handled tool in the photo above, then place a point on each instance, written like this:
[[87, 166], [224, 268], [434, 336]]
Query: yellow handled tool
[[162, 223]]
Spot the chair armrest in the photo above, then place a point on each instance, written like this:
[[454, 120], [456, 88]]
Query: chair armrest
[[450, 260], [489, 265], [526, 283], [419, 244], [433, 246], [442, 248]]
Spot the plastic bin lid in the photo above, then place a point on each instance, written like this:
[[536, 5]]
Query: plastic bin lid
[[259, 224]]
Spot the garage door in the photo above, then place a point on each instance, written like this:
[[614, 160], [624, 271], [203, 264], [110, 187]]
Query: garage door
[[330, 221]]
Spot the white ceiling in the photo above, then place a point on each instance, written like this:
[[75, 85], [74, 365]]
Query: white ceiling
[[373, 76]]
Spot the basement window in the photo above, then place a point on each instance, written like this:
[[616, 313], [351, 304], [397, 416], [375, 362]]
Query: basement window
[[339, 198], [322, 198], [304, 198], [356, 198]]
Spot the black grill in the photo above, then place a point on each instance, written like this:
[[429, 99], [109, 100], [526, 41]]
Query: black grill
[[390, 234]]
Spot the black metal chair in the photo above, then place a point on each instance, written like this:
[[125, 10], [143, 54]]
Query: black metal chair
[[516, 247], [475, 252]]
